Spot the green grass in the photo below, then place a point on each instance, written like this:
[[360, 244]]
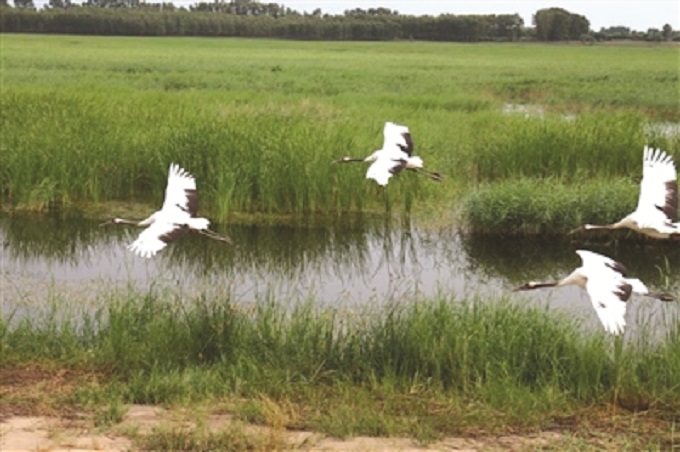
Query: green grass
[[548, 206], [423, 368], [96, 119]]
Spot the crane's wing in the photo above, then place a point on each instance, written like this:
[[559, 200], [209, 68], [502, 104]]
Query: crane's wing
[[156, 237], [180, 191], [609, 293], [595, 262], [397, 135], [383, 168], [659, 186]]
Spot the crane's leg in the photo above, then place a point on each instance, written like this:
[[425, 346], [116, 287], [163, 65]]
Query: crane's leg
[[214, 235]]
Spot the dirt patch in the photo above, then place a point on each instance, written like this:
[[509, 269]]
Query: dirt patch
[[41, 433], [30, 391]]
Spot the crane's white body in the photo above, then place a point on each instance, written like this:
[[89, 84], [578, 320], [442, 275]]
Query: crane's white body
[[606, 283], [176, 217], [394, 156], [658, 202]]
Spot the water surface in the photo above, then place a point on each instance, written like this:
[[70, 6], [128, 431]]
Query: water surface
[[341, 262]]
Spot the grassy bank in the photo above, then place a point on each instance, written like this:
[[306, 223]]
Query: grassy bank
[[423, 369], [97, 119]]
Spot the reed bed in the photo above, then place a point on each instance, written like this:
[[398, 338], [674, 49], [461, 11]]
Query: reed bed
[[520, 365], [94, 119]]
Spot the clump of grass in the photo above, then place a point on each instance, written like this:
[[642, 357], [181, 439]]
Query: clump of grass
[[546, 206], [235, 437]]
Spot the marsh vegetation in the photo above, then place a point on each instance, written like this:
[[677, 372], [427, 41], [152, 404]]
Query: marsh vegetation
[[90, 120], [90, 124]]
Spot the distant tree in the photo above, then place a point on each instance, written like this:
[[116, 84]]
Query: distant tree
[[355, 12], [24, 4], [112, 3], [382, 12], [508, 26], [168, 7], [4, 4], [667, 32], [60, 4], [616, 32], [653, 34], [557, 24]]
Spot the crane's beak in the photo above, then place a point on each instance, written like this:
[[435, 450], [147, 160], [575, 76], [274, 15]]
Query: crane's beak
[[106, 223]]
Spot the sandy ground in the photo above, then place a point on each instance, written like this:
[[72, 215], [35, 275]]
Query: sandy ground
[[40, 433]]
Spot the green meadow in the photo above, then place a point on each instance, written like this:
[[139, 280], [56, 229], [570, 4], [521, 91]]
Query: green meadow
[[88, 120]]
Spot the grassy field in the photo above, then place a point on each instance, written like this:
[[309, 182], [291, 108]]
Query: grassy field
[[425, 369], [95, 119]]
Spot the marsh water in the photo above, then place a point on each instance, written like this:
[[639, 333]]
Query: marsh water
[[346, 261]]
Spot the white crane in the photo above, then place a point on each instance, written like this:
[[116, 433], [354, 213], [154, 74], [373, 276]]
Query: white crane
[[176, 217], [607, 285], [658, 203], [395, 155]]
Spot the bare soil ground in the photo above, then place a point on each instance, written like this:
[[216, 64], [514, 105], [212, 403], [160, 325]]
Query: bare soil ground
[[34, 417], [41, 433]]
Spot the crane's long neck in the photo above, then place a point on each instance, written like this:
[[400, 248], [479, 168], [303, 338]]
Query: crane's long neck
[[627, 222], [142, 223], [575, 278], [541, 284], [355, 159], [591, 227], [124, 221]]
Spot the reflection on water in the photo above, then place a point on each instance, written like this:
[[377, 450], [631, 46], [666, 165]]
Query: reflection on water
[[347, 261]]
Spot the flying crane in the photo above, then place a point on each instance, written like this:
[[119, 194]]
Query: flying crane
[[395, 155], [657, 207], [607, 285], [177, 216]]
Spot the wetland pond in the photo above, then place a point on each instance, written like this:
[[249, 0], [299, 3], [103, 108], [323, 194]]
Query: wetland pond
[[344, 262]]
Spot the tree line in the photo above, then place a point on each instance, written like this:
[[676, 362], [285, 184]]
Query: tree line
[[217, 19], [250, 18]]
